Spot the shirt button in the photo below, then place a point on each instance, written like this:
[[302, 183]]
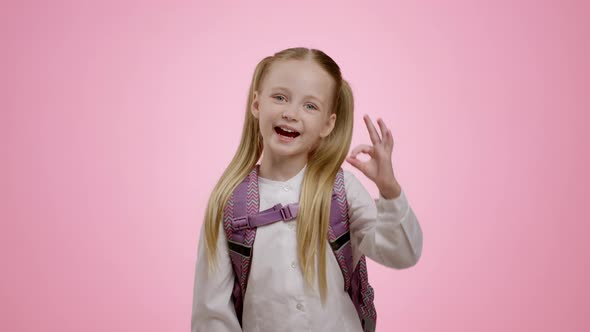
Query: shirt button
[[299, 306], [293, 265], [286, 188]]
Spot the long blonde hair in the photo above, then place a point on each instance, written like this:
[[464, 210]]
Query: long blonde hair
[[323, 163]]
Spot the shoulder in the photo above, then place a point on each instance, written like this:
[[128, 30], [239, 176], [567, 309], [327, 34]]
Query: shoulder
[[352, 184], [349, 177], [358, 197]]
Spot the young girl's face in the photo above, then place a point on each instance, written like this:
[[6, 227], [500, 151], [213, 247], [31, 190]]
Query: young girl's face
[[295, 95]]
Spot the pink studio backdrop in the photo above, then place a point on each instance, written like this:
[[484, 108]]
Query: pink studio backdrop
[[118, 117]]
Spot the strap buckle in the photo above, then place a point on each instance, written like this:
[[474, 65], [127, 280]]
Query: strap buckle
[[286, 212], [241, 223]]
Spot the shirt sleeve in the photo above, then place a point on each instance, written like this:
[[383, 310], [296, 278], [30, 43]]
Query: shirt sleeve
[[213, 308], [385, 230]]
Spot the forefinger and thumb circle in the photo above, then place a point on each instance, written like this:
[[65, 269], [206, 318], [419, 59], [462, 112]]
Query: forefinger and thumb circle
[[368, 149]]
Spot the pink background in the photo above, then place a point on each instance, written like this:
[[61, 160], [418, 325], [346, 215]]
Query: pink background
[[117, 118]]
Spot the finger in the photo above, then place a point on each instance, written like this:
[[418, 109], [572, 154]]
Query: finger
[[362, 148], [390, 139], [356, 163], [375, 139], [387, 137], [383, 129]]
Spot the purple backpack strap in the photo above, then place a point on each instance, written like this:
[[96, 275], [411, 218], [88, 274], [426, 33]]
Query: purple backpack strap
[[266, 217], [356, 281], [243, 201]]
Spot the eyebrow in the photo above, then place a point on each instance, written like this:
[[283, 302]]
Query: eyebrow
[[310, 96]]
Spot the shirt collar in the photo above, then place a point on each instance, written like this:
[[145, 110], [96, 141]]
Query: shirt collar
[[294, 181]]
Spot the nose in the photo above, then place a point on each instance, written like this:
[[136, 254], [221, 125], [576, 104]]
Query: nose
[[290, 113]]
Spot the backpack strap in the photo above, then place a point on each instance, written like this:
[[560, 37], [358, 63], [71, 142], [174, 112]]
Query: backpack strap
[[363, 296], [244, 200], [356, 281], [338, 229], [266, 217]]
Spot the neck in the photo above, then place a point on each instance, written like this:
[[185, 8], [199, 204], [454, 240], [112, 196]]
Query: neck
[[281, 169]]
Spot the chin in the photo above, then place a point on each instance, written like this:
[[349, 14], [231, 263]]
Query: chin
[[282, 149]]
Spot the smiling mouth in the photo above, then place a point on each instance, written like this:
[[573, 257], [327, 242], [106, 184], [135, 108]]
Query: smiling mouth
[[281, 132]]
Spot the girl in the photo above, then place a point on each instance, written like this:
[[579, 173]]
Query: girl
[[298, 123]]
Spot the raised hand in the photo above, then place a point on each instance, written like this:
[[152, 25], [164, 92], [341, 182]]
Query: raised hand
[[379, 168]]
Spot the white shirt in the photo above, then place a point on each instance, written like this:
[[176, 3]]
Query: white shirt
[[276, 299]]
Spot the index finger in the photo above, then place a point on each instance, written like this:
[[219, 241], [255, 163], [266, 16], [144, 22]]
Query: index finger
[[372, 131]]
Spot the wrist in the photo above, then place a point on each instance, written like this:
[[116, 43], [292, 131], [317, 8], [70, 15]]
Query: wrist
[[390, 191]]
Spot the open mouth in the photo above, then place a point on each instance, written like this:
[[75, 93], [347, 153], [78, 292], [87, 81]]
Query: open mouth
[[285, 133]]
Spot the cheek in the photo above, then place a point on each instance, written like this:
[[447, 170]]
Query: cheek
[[265, 124]]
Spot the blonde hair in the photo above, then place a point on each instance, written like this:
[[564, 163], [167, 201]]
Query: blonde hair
[[323, 163]]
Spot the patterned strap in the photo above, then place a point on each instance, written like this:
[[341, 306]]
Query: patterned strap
[[243, 201], [338, 229], [356, 280]]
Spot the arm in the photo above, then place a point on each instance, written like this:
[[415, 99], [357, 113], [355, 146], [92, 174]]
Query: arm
[[213, 308], [385, 230]]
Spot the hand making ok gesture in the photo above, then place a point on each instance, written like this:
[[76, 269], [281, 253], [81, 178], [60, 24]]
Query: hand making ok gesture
[[379, 168]]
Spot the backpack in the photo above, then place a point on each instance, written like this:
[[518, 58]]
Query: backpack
[[241, 217]]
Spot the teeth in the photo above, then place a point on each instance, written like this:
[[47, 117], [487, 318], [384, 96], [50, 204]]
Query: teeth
[[287, 130]]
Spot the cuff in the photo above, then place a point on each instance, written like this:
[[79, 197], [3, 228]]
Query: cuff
[[394, 208]]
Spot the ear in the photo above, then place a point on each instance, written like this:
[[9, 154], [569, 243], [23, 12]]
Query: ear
[[254, 107], [329, 126]]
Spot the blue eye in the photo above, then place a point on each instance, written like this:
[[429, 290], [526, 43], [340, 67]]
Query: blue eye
[[281, 96]]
